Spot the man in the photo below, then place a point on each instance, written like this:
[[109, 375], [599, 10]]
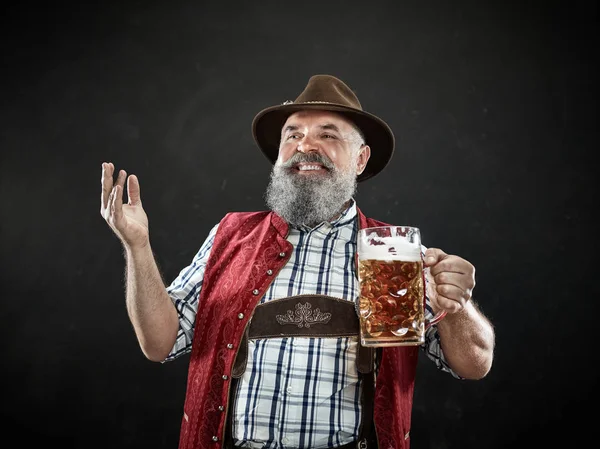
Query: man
[[259, 384]]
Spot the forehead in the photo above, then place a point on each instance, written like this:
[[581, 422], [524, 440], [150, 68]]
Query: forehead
[[318, 118]]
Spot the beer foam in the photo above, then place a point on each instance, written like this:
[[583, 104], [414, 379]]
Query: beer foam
[[391, 248]]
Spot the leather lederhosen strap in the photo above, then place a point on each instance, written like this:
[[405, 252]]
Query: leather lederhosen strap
[[317, 316]]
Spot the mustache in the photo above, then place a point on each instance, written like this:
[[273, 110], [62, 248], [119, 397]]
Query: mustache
[[309, 158]]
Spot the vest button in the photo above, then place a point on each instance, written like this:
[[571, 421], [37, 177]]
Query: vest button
[[225, 377], [282, 254], [255, 291], [269, 272], [221, 408], [215, 438], [229, 346], [240, 316]]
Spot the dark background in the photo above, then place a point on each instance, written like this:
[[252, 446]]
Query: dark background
[[494, 106]]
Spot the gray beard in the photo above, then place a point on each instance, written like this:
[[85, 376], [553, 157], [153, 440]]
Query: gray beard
[[309, 200]]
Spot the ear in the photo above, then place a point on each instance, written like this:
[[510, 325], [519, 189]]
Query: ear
[[364, 153]]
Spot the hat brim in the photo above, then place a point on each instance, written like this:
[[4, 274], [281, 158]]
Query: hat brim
[[267, 125]]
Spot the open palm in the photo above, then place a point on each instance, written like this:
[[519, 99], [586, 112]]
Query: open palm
[[128, 221]]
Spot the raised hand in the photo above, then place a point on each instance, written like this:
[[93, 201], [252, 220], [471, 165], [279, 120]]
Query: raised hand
[[451, 280], [128, 221]]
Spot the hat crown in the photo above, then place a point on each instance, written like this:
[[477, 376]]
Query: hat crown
[[328, 89]]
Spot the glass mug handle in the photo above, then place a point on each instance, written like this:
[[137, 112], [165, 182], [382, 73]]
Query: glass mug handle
[[436, 319], [438, 316]]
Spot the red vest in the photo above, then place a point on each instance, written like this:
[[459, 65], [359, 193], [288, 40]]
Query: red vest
[[249, 250]]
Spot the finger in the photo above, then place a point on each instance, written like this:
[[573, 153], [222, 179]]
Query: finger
[[452, 293], [108, 211], [449, 305], [459, 280], [107, 184], [121, 177], [117, 207], [453, 264], [433, 256], [133, 190]]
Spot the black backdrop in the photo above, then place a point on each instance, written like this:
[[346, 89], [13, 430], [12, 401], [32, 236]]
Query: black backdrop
[[494, 107]]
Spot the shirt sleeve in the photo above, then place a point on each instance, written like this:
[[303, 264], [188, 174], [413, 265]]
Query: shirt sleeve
[[184, 291], [432, 346]]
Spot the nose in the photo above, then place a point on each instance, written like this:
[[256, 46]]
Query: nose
[[307, 145]]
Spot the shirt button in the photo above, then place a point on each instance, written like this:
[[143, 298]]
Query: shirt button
[[240, 316], [269, 272], [221, 408], [284, 440], [229, 346], [282, 254], [225, 377], [289, 390], [215, 438], [255, 291]]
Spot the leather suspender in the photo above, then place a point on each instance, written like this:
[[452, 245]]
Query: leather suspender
[[316, 316]]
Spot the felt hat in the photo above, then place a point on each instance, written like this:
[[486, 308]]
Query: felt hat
[[326, 93]]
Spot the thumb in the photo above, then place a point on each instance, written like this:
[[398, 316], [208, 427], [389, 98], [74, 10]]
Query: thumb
[[133, 190], [433, 256]]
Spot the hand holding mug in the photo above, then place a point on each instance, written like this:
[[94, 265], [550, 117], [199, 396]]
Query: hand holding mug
[[450, 280]]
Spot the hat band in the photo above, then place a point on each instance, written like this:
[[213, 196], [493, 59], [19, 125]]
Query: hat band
[[319, 102]]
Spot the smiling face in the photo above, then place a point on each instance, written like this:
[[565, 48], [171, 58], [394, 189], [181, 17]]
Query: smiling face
[[327, 134], [320, 156]]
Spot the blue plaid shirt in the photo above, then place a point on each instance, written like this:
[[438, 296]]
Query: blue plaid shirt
[[296, 392]]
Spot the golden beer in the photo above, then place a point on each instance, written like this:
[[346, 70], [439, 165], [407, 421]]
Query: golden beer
[[391, 311]]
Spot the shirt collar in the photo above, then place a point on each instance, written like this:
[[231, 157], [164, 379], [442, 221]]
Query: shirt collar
[[347, 216]]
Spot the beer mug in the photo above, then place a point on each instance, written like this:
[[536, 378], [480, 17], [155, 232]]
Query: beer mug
[[391, 302]]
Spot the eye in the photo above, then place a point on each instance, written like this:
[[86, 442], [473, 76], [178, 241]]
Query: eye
[[293, 137], [329, 136]]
